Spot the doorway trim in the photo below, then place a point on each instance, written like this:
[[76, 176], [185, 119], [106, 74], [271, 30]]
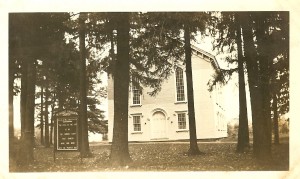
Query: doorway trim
[[165, 128]]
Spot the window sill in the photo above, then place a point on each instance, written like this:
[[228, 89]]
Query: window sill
[[135, 105], [182, 130], [180, 102], [137, 132]]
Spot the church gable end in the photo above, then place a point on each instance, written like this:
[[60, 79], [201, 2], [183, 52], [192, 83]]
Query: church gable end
[[165, 116]]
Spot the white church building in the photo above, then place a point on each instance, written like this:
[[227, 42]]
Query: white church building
[[165, 116]]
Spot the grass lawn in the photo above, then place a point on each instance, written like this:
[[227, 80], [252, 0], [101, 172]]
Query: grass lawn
[[160, 156]]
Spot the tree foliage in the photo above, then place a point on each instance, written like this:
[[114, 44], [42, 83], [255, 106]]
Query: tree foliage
[[264, 42]]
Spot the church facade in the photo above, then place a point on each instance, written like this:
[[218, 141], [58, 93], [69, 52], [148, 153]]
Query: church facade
[[164, 117]]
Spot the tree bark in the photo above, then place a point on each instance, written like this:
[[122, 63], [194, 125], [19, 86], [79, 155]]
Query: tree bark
[[252, 69], [243, 131], [193, 150], [42, 115], [119, 148], [261, 148], [275, 120], [27, 140], [265, 61], [84, 150]]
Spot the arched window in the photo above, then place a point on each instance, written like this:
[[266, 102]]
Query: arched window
[[179, 85]]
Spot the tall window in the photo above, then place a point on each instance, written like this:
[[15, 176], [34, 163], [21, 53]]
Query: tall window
[[181, 120], [136, 94], [136, 123], [179, 85]]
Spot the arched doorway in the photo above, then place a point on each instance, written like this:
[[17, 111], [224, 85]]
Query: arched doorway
[[158, 125]]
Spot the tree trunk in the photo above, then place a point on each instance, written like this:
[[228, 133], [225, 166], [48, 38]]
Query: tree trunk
[[27, 140], [119, 148], [265, 61], [112, 52], [243, 132], [275, 120], [193, 150], [84, 150], [260, 149], [46, 115], [42, 115], [52, 123], [60, 98], [252, 71], [11, 106], [23, 97]]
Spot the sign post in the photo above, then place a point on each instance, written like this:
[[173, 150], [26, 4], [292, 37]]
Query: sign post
[[66, 132]]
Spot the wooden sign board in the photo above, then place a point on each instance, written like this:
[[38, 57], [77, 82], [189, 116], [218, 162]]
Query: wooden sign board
[[66, 132], [67, 135]]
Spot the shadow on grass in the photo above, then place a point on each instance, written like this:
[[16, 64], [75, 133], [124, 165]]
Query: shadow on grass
[[217, 156]]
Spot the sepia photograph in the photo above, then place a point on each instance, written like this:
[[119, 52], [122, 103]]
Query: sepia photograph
[[149, 91]]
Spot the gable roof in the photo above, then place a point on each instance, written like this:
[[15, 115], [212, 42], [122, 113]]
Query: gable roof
[[206, 56]]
